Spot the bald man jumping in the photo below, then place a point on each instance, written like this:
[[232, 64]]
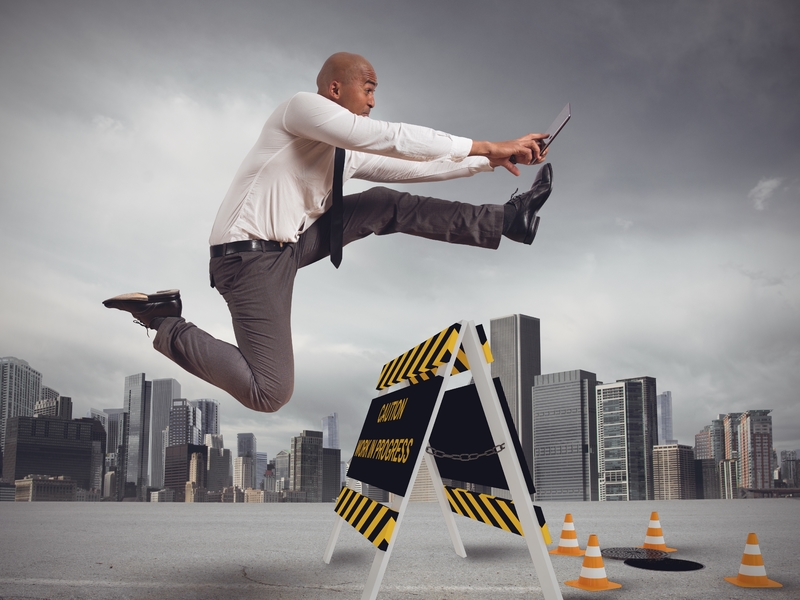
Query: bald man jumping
[[275, 219]]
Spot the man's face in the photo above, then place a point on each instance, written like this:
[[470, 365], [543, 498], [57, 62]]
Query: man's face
[[358, 94]]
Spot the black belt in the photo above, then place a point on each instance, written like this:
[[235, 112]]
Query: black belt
[[245, 246]]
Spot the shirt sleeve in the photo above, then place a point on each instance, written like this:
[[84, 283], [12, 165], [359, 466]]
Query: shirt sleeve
[[381, 169], [314, 117]]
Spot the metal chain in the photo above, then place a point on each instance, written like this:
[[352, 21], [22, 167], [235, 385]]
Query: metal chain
[[465, 457]]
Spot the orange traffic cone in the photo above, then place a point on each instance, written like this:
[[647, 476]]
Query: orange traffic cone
[[752, 573], [593, 573], [568, 544], [654, 538]]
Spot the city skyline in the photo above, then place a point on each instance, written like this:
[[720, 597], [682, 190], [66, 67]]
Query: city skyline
[[564, 424], [273, 450]]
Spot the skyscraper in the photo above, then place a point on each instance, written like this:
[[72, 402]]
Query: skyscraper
[[330, 431], [220, 466], [55, 447], [20, 386], [261, 469], [282, 471], [164, 392], [177, 465], [755, 449], [48, 393], [710, 443], [60, 407], [517, 360], [789, 471], [664, 408], [331, 473], [709, 451], [674, 472], [621, 442], [565, 436], [243, 472], [246, 444], [184, 423], [305, 465], [730, 428], [115, 429], [650, 422], [136, 400], [209, 412]]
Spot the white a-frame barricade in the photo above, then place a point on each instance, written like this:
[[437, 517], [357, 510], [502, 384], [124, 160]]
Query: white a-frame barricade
[[464, 434]]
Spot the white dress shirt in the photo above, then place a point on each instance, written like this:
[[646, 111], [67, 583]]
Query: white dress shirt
[[284, 183]]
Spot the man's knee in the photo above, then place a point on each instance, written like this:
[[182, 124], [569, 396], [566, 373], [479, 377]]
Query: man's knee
[[271, 400]]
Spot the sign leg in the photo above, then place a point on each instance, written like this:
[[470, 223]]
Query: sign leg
[[337, 528], [449, 519]]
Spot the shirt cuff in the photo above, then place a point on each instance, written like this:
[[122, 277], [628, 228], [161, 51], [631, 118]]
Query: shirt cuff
[[460, 149]]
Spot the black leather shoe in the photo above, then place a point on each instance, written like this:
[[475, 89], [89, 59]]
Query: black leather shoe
[[526, 222], [146, 307]]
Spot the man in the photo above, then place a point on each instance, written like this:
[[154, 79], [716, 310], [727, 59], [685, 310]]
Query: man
[[275, 219]]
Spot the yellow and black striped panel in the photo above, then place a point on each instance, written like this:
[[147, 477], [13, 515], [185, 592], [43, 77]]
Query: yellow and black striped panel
[[371, 519], [420, 363], [423, 358], [487, 351], [494, 511]]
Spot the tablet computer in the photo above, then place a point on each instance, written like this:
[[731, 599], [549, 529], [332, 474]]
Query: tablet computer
[[556, 127]]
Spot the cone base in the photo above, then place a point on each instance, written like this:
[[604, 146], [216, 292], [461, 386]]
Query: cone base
[[765, 584], [662, 548], [568, 552], [594, 587]]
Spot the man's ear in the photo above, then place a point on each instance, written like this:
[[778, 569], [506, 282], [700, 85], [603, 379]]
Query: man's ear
[[334, 89]]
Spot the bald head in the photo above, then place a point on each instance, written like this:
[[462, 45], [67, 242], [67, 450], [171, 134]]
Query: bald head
[[350, 81]]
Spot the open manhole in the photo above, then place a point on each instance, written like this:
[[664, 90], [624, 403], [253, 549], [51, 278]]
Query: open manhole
[[664, 564], [633, 553]]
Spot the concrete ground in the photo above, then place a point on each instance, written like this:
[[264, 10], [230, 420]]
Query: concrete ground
[[61, 551]]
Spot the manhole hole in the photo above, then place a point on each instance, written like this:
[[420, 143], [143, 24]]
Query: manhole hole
[[664, 564], [637, 553]]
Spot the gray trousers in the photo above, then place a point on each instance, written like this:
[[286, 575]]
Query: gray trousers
[[258, 289]]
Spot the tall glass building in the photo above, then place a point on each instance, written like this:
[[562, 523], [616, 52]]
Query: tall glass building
[[20, 387], [137, 404], [664, 407], [209, 412], [516, 349], [305, 465], [330, 431], [650, 425], [246, 444], [565, 436], [164, 392], [621, 452]]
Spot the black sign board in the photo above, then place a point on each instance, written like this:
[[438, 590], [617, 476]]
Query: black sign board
[[461, 428], [392, 436]]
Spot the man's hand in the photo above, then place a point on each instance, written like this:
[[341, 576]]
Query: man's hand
[[522, 151]]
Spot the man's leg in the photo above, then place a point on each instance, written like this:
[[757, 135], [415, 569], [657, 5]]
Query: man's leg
[[383, 211], [258, 289]]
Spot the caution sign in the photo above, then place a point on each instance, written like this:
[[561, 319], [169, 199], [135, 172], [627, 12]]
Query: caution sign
[[471, 437], [461, 430], [392, 436]]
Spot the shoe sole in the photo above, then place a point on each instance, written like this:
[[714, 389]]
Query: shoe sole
[[159, 296]]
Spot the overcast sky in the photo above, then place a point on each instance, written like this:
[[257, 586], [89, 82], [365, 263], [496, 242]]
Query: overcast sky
[[668, 248]]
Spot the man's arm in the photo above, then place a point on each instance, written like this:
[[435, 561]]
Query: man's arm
[[382, 169], [314, 117]]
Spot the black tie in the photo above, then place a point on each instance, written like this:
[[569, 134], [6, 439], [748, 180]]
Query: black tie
[[337, 209]]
